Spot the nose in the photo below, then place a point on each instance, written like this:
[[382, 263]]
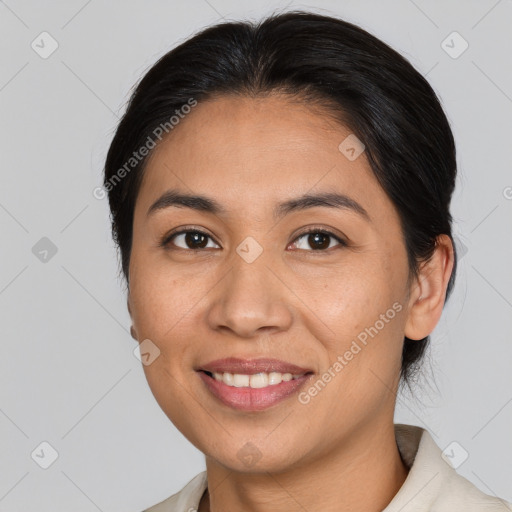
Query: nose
[[250, 300]]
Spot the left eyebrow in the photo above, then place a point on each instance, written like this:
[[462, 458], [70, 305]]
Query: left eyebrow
[[325, 199], [209, 205]]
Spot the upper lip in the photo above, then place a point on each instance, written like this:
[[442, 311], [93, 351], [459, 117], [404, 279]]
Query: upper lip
[[252, 366]]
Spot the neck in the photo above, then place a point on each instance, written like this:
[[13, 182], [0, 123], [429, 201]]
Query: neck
[[362, 475]]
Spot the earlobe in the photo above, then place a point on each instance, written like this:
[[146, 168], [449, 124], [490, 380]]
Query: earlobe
[[133, 332], [429, 291]]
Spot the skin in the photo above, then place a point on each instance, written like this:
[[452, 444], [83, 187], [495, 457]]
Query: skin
[[305, 306]]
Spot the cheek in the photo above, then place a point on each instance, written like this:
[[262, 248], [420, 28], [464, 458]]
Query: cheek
[[350, 299], [163, 308], [162, 297], [362, 345], [357, 314], [171, 392]]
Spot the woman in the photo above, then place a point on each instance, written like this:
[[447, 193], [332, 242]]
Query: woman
[[280, 197]]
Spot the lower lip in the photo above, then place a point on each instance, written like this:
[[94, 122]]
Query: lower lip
[[252, 399]]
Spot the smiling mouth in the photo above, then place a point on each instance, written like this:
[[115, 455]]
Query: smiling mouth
[[255, 380], [252, 392]]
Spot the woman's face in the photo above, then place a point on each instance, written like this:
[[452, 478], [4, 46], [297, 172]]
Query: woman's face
[[257, 285]]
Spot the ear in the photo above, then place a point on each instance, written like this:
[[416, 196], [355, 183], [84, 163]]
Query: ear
[[133, 332], [427, 295]]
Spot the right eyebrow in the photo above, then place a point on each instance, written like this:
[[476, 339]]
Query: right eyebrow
[[174, 197]]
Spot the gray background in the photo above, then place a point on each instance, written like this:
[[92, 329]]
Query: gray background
[[68, 375]]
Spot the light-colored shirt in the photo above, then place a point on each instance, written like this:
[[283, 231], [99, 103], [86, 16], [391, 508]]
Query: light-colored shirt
[[432, 484]]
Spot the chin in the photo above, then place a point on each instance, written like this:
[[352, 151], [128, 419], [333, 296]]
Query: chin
[[252, 456]]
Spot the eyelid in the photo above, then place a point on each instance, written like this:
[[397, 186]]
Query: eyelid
[[321, 229], [166, 239], [342, 240], [311, 229]]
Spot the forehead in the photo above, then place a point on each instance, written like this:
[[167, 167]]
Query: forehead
[[248, 151]]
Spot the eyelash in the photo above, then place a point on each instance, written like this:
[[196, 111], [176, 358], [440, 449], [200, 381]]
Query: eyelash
[[165, 242]]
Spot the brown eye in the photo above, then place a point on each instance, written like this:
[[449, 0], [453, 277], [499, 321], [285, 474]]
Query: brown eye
[[318, 240], [191, 240]]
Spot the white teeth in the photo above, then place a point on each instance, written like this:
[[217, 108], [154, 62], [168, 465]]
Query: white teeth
[[257, 380], [274, 378], [240, 380], [227, 378]]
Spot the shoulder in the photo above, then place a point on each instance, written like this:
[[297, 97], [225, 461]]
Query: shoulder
[[186, 500], [457, 491], [432, 482]]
